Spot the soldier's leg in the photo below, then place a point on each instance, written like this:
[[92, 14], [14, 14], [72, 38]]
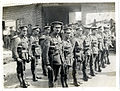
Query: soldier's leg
[[50, 78], [103, 59], [107, 52], [84, 71], [33, 69], [62, 74], [99, 60], [18, 69], [66, 75], [23, 75], [84, 64], [44, 66], [74, 72], [95, 61], [91, 65], [87, 64], [56, 72]]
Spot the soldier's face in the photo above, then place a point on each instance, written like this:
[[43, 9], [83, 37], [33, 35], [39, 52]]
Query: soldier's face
[[80, 32], [24, 31], [94, 31], [68, 34], [36, 32], [87, 32], [47, 30], [57, 28]]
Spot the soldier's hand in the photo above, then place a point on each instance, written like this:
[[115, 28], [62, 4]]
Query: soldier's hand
[[18, 59], [111, 45], [49, 68], [30, 58]]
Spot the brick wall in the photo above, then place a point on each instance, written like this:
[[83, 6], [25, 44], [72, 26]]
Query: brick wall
[[27, 13]]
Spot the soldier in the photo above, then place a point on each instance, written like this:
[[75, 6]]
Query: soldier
[[94, 49], [100, 50], [107, 44], [87, 50], [79, 56], [67, 47], [20, 55], [35, 51], [69, 53], [53, 52], [42, 40]]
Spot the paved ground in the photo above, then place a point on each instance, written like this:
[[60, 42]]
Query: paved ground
[[107, 78]]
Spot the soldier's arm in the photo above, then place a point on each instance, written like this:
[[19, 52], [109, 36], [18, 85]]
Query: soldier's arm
[[30, 46], [110, 41], [73, 41], [14, 50], [73, 49], [46, 51]]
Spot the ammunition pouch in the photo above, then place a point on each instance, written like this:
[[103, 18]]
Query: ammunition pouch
[[36, 51], [67, 52], [52, 49], [77, 54], [19, 51], [23, 53]]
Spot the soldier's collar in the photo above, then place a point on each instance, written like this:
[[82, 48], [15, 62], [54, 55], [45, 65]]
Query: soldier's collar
[[23, 36], [55, 35], [14, 36]]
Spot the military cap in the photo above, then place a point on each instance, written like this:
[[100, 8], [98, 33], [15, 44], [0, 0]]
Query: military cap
[[29, 24], [46, 27], [34, 28], [67, 30], [11, 27], [87, 27], [70, 24], [76, 23], [56, 22], [94, 27], [37, 25], [79, 28], [106, 27], [22, 27]]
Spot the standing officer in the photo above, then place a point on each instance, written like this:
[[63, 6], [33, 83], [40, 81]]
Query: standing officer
[[69, 54], [100, 50], [79, 56], [107, 44], [53, 52], [42, 40], [20, 55], [67, 63], [94, 48], [35, 51], [87, 50]]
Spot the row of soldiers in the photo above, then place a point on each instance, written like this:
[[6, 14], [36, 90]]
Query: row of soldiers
[[61, 49]]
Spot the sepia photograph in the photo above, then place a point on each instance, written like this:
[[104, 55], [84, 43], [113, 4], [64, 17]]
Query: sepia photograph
[[59, 45]]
